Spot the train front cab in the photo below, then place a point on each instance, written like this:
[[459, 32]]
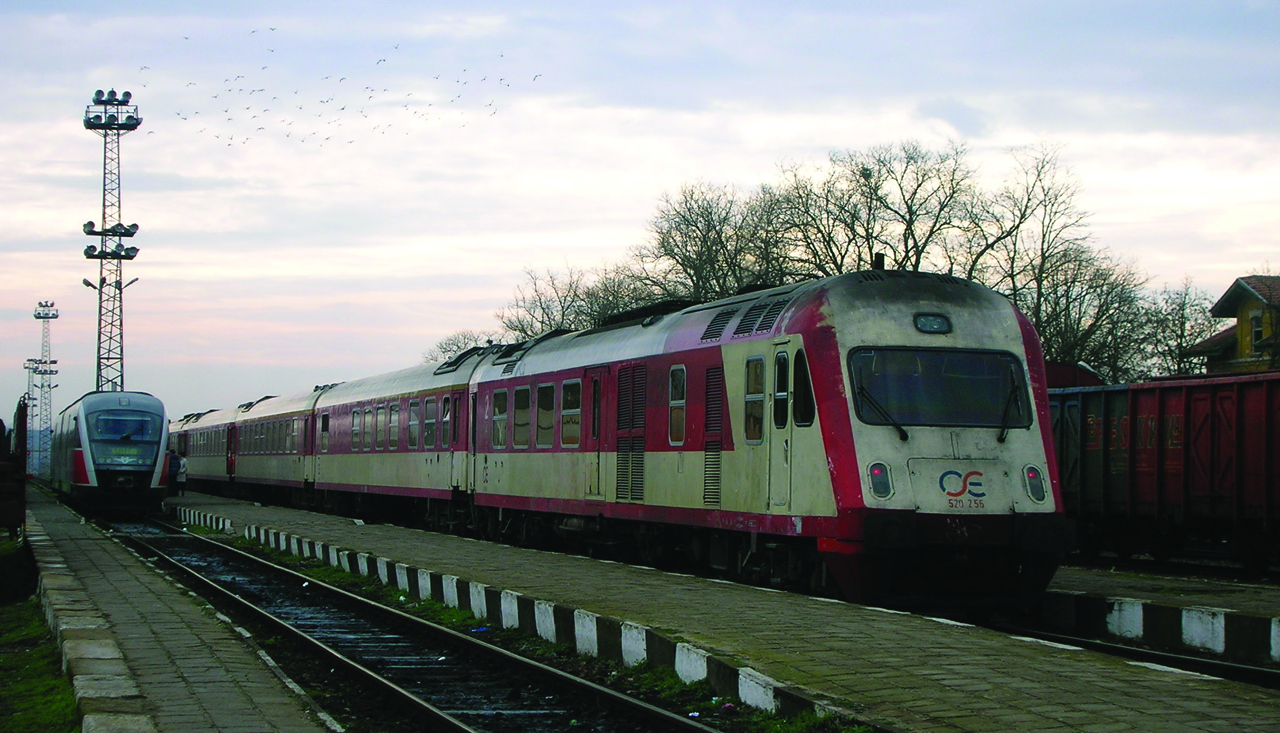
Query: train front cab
[[108, 447], [956, 496]]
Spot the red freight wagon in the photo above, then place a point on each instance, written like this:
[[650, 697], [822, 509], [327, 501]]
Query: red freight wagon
[[1157, 465]]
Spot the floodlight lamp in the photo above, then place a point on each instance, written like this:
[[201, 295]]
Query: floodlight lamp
[[90, 251], [131, 252], [96, 119], [130, 120], [133, 228], [88, 284], [111, 119], [98, 97], [119, 247], [111, 96], [88, 227], [126, 96], [122, 287]]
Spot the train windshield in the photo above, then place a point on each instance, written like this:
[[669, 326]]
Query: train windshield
[[939, 387], [124, 437]]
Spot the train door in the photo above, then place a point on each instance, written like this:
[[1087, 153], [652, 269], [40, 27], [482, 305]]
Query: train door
[[594, 420], [779, 421], [454, 438], [473, 420], [232, 433]]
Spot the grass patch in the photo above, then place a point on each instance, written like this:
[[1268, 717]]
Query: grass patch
[[659, 686], [35, 697]]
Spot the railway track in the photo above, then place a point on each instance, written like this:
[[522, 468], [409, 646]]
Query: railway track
[[445, 679]]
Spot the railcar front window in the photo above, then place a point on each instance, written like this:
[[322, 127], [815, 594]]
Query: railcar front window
[[939, 387], [124, 437]]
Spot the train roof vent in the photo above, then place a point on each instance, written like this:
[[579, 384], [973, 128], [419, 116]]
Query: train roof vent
[[456, 360], [750, 318], [868, 277], [509, 368], [516, 352], [770, 316], [715, 329]]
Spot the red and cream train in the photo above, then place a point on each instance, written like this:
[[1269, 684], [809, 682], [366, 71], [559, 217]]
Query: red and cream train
[[884, 432]]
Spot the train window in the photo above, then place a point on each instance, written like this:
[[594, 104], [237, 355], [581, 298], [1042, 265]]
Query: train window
[[293, 435], [499, 437], [324, 432], [355, 429], [446, 419], [368, 430], [520, 418], [380, 428], [429, 422], [546, 415], [675, 405], [413, 424], [781, 393], [939, 387], [393, 427], [570, 414], [805, 409], [753, 419]]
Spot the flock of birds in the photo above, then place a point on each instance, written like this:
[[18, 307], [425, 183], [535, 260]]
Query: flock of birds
[[334, 108]]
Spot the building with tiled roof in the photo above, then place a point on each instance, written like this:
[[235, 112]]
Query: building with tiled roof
[[1253, 343]]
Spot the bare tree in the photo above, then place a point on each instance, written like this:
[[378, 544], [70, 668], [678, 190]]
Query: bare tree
[[547, 302], [707, 242], [1180, 319], [919, 197], [458, 342]]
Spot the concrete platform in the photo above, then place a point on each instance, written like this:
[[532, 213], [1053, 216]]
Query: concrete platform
[[143, 655], [775, 650]]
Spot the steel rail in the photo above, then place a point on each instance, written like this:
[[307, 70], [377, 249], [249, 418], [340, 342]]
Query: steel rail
[[659, 718]]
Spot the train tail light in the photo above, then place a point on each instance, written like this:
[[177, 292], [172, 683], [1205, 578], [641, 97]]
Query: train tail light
[[881, 484], [1033, 479]]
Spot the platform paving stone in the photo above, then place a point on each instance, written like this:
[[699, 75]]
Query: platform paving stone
[[879, 664], [193, 672]]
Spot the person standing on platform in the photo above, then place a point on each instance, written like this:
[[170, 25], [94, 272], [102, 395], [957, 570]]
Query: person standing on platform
[[182, 474], [174, 463]]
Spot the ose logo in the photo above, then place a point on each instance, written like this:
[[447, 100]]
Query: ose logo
[[966, 481]]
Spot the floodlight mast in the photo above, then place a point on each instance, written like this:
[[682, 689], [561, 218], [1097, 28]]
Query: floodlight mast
[[111, 115], [42, 445]]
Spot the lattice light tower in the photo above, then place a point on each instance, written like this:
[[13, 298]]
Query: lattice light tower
[[43, 443], [111, 116]]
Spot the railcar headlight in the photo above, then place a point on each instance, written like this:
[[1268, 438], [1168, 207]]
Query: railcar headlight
[[1033, 479], [881, 484]]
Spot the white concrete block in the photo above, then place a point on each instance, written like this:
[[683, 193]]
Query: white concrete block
[[1205, 628], [1275, 639], [450, 591], [510, 609], [691, 663], [544, 618], [384, 570], [402, 576], [756, 690], [424, 584], [362, 563], [479, 604], [635, 649], [584, 633], [1125, 618]]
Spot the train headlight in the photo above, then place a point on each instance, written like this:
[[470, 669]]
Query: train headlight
[[881, 484], [1033, 479]]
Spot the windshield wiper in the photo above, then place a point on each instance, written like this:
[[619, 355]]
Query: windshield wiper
[[1008, 403], [866, 395]]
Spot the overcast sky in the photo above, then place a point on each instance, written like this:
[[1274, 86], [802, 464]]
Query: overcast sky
[[326, 189]]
